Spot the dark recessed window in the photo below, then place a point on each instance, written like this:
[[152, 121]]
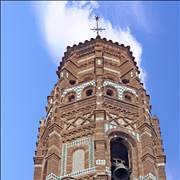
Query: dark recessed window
[[127, 98], [89, 92], [71, 98], [109, 92], [125, 81], [72, 82]]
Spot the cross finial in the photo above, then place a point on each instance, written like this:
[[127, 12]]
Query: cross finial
[[97, 28]]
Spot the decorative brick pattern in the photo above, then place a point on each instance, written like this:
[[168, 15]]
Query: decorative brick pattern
[[149, 176], [108, 171], [100, 162], [78, 160], [74, 174], [78, 89], [81, 172], [120, 89], [52, 177], [109, 126], [83, 141], [89, 125]]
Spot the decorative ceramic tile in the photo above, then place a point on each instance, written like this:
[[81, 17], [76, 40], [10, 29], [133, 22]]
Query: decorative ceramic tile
[[74, 174], [108, 171], [149, 176], [78, 89], [100, 162], [120, 89], [88, 141]]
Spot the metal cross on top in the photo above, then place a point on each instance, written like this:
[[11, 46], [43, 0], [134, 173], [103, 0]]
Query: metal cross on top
[[97, 29]]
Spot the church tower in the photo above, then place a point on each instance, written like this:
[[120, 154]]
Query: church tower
[[98, 124]]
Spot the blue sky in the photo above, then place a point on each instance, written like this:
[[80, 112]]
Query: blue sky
[[29, 64]]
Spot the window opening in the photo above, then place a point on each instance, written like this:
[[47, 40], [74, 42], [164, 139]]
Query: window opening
[[71, 98], [72, 82], [109, 92], [119, 160], [89, 92], [78, 160], [125, 81], [128, 98]]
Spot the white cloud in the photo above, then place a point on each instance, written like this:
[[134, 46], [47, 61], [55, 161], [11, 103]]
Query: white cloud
[[140, 15], [63, 23], [133, 13]]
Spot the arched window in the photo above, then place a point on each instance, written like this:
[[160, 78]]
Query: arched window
[[109, 92], [125, 81], [89, 92], [128, 98], [78, 160], [119, 159], [72, 82], [71, 98]]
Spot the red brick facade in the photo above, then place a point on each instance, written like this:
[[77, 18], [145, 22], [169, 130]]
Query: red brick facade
[[98, 112]]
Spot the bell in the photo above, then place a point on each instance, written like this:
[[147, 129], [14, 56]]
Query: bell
[[121, 172]]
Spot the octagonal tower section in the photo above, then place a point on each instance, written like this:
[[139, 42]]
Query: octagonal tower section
[[98, 123]]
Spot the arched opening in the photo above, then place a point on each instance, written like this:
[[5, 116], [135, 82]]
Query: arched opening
[[119, 159], [78, 159], [89, 92], [71, 98], [72, 82], [125, 81], [109, 92], [127, 98]]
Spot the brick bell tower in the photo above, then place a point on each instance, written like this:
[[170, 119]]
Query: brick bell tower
[[98, 124]]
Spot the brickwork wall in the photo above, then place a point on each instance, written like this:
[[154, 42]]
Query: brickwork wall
[[117, 106]]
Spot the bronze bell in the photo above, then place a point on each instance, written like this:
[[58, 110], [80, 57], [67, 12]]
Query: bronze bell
[[121, 172]]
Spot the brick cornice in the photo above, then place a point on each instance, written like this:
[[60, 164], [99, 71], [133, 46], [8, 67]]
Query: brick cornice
[[90, 46], [149, 126], [38, 159], [49, 129]]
